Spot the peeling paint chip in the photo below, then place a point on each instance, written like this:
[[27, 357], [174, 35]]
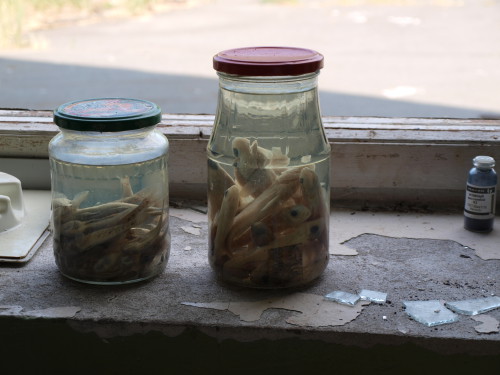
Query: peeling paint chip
[[191, 230], [53, 312], [189, 215], [489, 324], [10, 310], [208, 305], [314, 310]]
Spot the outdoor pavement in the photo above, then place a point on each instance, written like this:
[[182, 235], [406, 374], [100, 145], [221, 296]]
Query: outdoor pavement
[[427, 58]]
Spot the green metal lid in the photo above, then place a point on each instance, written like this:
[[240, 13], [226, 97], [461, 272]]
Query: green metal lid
[[107, 115]]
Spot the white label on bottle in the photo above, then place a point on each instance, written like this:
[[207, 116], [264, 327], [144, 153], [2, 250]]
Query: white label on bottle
[[480, 202]]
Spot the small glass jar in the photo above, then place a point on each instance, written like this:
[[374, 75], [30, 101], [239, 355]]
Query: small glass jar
[[268, 169], [479, 210], [109, 191]]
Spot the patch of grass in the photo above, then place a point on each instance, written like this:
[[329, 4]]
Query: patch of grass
[[19, 17], [11, 14]]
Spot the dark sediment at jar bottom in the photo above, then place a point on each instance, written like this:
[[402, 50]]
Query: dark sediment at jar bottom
[[116, 242], [279, 268], [110, 263]]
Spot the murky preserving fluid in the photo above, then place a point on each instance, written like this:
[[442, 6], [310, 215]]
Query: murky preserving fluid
[[268, 225], [110, 222], [268, 169]]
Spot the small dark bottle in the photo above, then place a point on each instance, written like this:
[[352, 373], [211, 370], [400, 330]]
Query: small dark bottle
[[479, 211]]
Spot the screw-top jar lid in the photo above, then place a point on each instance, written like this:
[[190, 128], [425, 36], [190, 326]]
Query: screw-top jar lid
[[268, 61], [483, 162], [107, 115]]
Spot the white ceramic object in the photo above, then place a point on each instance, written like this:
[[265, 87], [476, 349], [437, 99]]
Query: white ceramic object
[[11, 202]]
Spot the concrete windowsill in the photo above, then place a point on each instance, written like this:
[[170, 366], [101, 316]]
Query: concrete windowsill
[[376, 162], [405, 268]]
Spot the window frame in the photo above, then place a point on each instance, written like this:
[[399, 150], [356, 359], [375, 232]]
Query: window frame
[[375, 160]]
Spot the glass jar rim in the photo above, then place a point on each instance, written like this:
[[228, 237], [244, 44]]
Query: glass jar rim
[[107, 115]]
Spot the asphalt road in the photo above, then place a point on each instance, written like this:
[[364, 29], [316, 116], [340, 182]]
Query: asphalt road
[[427, 58]]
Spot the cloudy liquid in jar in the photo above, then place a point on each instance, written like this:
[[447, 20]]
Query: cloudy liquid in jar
[[278, 234], [268, 169], [110, 222]]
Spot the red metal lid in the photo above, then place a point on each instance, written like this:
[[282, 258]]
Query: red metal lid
[[268, 61]]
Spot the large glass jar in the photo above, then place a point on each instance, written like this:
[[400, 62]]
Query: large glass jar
[[268, 169], [109, 191]]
